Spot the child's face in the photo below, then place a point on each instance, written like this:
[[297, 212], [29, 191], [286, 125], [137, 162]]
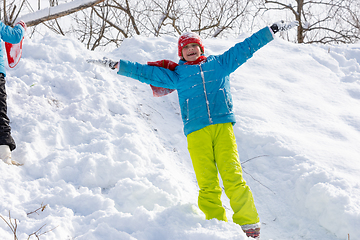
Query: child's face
[[191, 52]]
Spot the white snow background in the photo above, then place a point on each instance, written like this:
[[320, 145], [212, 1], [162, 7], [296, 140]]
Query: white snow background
[[107, 160]]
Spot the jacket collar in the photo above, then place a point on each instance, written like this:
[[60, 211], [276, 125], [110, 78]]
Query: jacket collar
[[198, 61]]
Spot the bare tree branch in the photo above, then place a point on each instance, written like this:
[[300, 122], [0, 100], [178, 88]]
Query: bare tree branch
[[322, 21], [62, 13]]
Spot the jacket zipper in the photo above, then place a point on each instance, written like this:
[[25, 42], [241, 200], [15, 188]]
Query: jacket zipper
[[187, 110], [207, 101]]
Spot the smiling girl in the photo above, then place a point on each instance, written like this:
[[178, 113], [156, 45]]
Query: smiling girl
[[203, 86]]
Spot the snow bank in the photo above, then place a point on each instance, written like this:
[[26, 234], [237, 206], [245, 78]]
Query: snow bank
[[109, 161]]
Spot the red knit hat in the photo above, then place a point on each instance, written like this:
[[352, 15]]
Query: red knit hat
[[186, 38]]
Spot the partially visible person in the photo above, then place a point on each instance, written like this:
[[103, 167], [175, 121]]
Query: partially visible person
[[11, 35]]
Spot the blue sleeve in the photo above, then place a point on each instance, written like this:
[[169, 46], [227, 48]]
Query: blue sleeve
[[156, 76], [11, 35], [242, 51]]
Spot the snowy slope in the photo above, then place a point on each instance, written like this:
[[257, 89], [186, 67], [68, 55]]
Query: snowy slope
[[109, 161]]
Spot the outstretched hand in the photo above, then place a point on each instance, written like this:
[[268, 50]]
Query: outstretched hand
[[283, 26], [105, 62]]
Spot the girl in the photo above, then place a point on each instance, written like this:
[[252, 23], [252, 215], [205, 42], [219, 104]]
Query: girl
[[207, 112]]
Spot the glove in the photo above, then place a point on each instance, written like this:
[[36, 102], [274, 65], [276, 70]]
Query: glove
[[22, 23], [105, 62], [283, 26]]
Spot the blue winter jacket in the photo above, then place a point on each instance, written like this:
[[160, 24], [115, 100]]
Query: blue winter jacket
[[203, 90], [10, 35]]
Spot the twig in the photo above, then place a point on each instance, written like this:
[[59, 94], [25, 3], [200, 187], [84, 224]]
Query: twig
[[258, 181], [37, 231], [5, 221], [48, 231], [252, 176], [254, 158], [35, 211], [155, 110], [11, 226]]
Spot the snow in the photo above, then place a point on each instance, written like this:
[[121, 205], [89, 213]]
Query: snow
[[107, 160]]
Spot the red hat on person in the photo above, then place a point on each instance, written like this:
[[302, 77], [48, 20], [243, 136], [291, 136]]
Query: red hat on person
[[187, 38]]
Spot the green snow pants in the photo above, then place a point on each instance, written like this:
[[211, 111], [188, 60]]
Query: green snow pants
[[211, 149]]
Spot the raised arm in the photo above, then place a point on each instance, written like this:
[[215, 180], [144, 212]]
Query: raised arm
[[242, 51], [12, 35], [156, 76]]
